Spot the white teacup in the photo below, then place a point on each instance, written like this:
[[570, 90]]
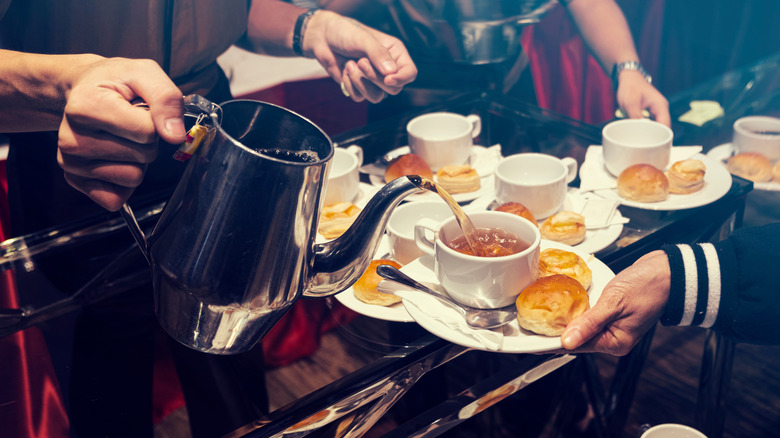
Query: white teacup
[[538, 181], [343, 175], [482, 282], [400, 227], [760, 134], [443, 139], [635, 141], [671, 430]]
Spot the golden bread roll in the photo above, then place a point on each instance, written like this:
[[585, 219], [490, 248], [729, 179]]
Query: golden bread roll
[[458, 179], [336, 218], [776, 172], [566, 227], [686, 176], [558, 261], [517, 209], [750, 165], [407, 164], [643, 183], [549, 304], [365, 288]]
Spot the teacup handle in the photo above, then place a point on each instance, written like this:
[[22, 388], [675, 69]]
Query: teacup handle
[[356, 151], [571, 168], [476, 124], [421, 229]]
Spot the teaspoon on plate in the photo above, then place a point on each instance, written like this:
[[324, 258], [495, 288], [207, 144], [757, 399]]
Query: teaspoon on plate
[[475, 318]]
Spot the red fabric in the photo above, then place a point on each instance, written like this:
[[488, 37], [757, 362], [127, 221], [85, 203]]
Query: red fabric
[[168, 395], [31, 404], [567, 79]]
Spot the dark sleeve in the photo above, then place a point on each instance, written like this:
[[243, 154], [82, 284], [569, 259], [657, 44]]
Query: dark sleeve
[[729, 286]]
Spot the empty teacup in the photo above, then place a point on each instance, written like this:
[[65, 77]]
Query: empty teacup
[[400, 227], [343, 175], [538, 181], [443, 139], [482, 282], [635, 141], [672, 430], [758, 134]]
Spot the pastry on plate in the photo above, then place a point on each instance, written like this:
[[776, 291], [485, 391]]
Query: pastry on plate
[[336, 218], [643, 183], [365, 289], [750, 165], [776, 172], [407, 164], [566, 227], [517, 209], [686, 176], [549, 304], [559, 261], [458, 179]]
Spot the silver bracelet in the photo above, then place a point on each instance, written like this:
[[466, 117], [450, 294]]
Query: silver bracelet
[[629, 65], [300, 28]]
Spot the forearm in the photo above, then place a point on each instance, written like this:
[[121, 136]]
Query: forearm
[[270, 27], [604, 30], [34, 89]]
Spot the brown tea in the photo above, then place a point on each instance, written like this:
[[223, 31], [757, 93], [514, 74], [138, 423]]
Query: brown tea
[[490, 242]]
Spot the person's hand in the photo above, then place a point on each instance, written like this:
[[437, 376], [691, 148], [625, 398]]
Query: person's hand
[[106, 143], [628, 307], [367, 63], [635, 94]]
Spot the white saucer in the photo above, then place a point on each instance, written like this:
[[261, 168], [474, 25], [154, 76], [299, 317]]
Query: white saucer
[[723, 152], [396, 312], [595, 239], [515, 339], [484, 168]]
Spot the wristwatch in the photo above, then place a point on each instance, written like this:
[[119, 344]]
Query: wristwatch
[[629, 65]]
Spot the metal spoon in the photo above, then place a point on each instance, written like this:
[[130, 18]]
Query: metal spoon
[[475, 318]]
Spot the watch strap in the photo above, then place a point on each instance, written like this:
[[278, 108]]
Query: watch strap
[[299, 29], [629, 65]]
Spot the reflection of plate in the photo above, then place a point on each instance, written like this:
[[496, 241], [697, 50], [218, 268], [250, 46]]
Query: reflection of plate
[[396, 312], [595, 239], [723, 152], [516, 340], [484, 168], [717, 182]]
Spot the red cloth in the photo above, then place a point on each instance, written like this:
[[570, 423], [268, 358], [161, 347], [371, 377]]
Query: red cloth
[[31, 404]]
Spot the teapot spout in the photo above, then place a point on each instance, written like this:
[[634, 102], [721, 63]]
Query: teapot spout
[[339, 263]]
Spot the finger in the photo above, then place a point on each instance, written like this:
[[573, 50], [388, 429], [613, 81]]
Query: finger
[[585, 327], [108, 111], [122, 174], [352, 90], [165, 103], [660, 113], [407, 70], [369, 73], [92, 144], [107, 195], [370, 91]]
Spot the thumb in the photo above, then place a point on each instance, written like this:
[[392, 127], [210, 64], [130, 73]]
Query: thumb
[[381, 58], [584, 328], [166, 106]]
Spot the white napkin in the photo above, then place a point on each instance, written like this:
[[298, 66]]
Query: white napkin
[[598, 212], [441, 317], [484, 161], [594, 176]]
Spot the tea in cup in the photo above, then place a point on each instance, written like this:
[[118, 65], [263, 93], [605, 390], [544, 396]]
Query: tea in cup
[[538, 181], [758, 134], [476, 281], [400, 227], [343, 181], [635, 141], [443, 139]]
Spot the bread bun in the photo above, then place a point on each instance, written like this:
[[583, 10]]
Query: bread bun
[[643, 183], [365, 288], [750, 165], [549, 304], [558, 261], [518, 209], [458, 179], [776, 172], [566, 227], [407, 164], [686, 176]]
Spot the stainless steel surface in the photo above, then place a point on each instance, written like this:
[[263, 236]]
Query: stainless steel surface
[[477, 318]]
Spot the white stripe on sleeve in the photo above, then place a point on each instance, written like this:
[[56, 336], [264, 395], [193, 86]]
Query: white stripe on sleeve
[[713, 275], [691, 285]]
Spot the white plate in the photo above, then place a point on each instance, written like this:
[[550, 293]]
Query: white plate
[[396, 312], [595, 240], [723, 152], [717, 182], [485, 172], [516, 340]]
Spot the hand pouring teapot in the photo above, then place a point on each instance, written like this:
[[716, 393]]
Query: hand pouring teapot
[[234, 246]]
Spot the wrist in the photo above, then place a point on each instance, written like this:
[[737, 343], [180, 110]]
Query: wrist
[[300, 30], [629, 67]]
